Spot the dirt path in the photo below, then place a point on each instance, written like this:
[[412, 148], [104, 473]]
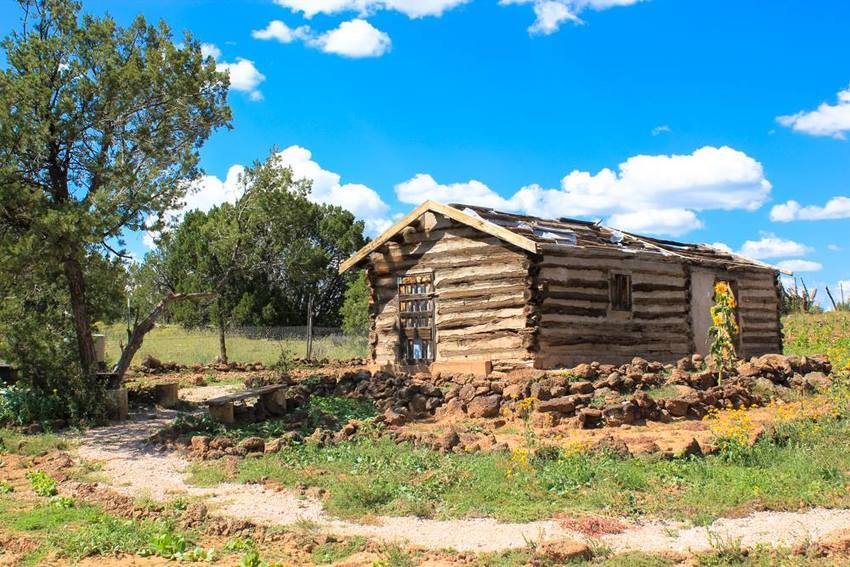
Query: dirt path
[[135, 469]]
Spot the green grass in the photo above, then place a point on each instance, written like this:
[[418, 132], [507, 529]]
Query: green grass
[[31, 445], [821, 333], [79, 531], [174, 343], [804, 466], [337, 551]]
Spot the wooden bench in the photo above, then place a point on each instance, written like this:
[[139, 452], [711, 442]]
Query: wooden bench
[[221, 408]]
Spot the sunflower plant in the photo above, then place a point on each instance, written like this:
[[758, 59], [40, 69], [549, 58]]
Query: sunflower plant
[[724, 330]]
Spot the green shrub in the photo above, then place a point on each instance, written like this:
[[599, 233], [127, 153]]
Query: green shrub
[[42, 484]]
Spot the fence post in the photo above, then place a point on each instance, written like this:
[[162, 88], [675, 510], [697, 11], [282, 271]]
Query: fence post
[[310, 327]]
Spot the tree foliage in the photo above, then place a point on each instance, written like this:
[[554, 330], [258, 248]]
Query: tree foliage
[[267, 254], [355, 308], [100, 128]]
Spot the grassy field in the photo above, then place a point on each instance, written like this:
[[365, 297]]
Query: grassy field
[[174, 343], [822, 333], [805, 463]]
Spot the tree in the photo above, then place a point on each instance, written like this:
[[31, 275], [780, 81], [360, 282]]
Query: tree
[[355, 308], [286, 276], [100, 128]]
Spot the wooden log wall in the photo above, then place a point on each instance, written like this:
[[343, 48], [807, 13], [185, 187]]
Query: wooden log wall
[[577, 324], [481, 285], [759, 298]]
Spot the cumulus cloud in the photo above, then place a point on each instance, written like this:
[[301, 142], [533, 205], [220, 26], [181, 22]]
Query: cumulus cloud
[[202, 194], [827, 120], [835, 208], [279, 31], [550, 14], [771, 246], [355, 38], [800, 265], [210, 50], [659, 194], [244, 75], [662, 129], [327, 188], [410, 8]]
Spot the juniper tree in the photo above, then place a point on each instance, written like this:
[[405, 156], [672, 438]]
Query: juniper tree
[[100, 128]]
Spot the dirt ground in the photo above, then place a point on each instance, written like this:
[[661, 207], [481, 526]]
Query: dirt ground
[[132, 469]]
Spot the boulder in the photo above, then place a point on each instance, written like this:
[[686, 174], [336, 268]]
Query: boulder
[[582, 387], [394, 418], [251, 445], [447, 441], [590, 418], [200, 443], [563, 405], [817, 381], [584, 372], [221, 443], [677, 407], [484, 406], [273, 446], [513, 391]]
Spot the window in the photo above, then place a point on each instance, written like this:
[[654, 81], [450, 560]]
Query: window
[[621, 292], [416, 318]]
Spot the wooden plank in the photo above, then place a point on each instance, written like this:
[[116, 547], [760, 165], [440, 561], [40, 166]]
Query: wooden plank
[[459, 216], [244, 395]]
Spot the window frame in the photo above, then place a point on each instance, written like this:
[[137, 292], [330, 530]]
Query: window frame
[[613, 305], [407, 335]]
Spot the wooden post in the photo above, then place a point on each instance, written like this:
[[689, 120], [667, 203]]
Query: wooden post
[[166, 394], [117, 404], [222, 413], [310, 326]]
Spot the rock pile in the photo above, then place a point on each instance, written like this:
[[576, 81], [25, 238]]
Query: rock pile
[[595, 395]]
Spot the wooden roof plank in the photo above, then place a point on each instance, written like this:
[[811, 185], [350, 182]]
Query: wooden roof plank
[[457, 215]]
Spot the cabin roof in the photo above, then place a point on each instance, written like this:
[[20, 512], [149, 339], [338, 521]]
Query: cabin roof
[[536, 235]]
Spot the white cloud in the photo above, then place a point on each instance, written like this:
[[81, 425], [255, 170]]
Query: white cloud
[[244, 76], [833, 247], [208, 191], [771, 246], [410, 8], [550, 14], [662, 129], [800, 265], [835, 208], [327, 188], [828, 120], [210, 50], [722, 246], [203, 194], [667, 190], [674, 222], [356, 39], [279, 31]]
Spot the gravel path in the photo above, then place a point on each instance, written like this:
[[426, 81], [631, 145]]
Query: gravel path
[[135, 469]]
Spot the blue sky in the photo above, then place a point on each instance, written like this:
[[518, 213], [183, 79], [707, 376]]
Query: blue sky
[[691, 119]]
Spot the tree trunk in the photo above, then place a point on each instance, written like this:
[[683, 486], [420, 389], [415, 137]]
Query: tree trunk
[[79, 311], [222, 343], [310, 327], [137, 335]]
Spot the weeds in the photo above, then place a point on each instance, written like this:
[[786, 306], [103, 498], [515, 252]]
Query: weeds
[[42, 484]]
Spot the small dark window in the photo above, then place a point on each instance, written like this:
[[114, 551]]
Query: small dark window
[[416, 318], [621, 292]]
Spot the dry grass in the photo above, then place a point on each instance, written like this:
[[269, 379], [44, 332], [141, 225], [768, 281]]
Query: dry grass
[[826, 333], [174, 343]]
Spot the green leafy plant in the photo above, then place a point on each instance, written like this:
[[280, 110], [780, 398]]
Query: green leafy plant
[[723, 333], [62, 502], [6, 488], [42, 484]]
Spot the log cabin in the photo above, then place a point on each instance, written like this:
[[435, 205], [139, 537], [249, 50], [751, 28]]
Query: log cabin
[[461, 288]]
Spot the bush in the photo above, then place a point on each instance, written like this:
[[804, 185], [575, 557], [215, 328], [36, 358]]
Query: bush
[[355, 308]]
